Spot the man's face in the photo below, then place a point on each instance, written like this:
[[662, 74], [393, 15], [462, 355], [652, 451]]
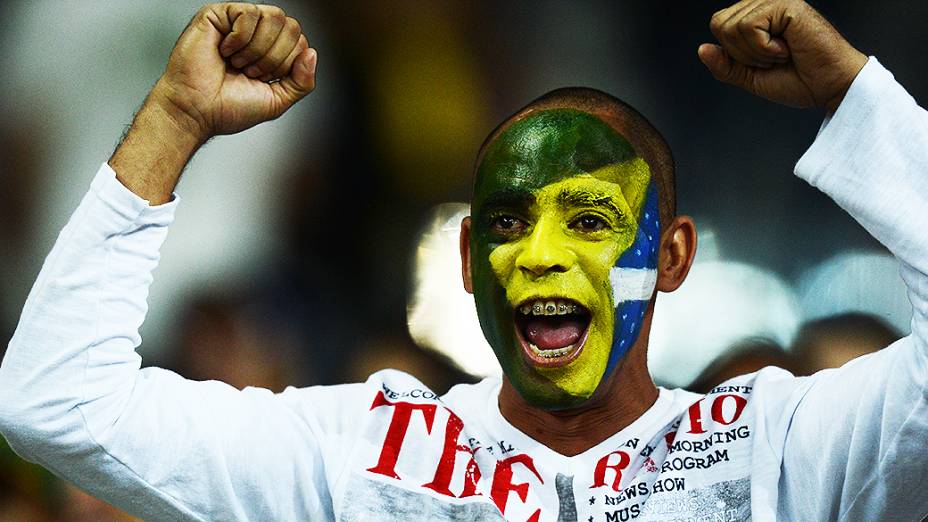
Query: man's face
[[563, 252]]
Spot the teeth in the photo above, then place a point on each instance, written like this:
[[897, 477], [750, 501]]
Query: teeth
[[555, 307], [551, 354]]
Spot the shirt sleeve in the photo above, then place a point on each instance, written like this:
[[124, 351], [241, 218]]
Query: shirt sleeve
[[856, 444], [74, 399]]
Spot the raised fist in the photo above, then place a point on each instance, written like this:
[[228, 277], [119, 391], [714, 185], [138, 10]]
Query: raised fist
[[782, 50], [235, 65]]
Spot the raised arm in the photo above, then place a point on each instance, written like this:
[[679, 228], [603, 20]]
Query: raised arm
[[235, 66], [72, 395], [853, 440]]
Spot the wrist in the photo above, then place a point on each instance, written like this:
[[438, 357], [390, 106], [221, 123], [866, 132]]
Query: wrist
[[155, 150], [176, 111], [854, 65]]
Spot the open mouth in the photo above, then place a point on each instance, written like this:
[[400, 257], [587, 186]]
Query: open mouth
[[552, 331]]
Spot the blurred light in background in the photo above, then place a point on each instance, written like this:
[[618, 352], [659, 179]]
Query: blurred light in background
[[441, 314], [720, 304], [857, 281], [429, 96]]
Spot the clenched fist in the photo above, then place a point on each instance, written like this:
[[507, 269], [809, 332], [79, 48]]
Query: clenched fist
[[782, 50], [235, 66]]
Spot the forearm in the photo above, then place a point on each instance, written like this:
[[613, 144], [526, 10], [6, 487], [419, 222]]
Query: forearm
[[155, 150], [872, 159], [71, 365]]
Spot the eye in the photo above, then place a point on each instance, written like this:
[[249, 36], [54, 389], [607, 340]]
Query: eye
[[589, 223], [506, 225]]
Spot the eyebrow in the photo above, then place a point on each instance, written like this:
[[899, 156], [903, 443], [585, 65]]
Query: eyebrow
[[568, 199], [508, 198]]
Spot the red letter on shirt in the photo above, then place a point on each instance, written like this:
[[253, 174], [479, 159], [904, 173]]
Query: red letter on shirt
[[740, 403], [396, 433], [442, 480], [695, 412], [502, 481], [696, 418], [599, 474]]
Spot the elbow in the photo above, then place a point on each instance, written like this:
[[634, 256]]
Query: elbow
[[15, 422], [9, 410], [29, 420], [38, 431], [13, 417]]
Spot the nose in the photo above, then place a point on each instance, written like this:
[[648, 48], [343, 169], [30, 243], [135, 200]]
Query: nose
[[545, 250]]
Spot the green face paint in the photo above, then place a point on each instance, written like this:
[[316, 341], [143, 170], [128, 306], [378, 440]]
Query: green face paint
[[557, 202]]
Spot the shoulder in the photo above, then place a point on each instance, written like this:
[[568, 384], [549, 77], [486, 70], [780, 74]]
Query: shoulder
[[334, 409], [771, 392], [473, 399], [394, 384], [771, 388]]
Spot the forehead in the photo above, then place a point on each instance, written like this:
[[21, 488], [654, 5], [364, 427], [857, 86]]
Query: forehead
[[549, 146]]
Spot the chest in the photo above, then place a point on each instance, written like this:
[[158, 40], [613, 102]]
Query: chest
[[419, 460]]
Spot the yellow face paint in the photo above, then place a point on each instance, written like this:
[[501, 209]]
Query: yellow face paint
[[559, 212], [557, 258]]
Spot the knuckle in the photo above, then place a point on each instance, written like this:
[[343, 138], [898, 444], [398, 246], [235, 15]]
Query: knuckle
[[293, 26], [205, 11], [244, 14], [274, 12]]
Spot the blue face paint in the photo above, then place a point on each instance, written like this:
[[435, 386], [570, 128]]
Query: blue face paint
[[640, 259]]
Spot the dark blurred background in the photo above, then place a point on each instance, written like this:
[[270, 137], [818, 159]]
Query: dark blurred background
[[292, 258]]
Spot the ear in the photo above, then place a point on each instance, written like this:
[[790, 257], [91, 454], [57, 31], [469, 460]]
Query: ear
[[676, 254], [465, 255]]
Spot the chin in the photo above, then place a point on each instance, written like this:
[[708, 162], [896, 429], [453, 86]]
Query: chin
[[542, 394]]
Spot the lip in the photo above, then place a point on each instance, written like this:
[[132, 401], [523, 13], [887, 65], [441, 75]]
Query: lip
[[549, 362]]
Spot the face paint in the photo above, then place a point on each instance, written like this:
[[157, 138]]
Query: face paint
[[564, 221]]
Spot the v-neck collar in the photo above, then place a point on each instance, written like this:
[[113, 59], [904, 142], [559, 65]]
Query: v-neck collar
[[642, 426]]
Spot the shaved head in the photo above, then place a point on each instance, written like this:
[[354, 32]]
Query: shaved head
[[628, 122]]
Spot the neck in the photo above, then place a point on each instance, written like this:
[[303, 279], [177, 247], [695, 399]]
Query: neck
[[626, 394]]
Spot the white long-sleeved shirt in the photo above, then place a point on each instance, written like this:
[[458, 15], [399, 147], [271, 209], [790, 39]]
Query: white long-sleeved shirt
[[845, 444]]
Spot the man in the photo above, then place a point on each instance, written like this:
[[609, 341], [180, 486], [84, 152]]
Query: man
[[573, 228]]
